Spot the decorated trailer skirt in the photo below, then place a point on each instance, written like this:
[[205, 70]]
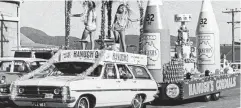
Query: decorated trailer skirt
[[198, 87]]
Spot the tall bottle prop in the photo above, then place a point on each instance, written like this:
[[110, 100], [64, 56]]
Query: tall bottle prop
[[207, 32], [155, 39]]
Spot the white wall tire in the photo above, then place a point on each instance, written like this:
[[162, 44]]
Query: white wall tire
[[137, 102], [83, 102], [215, 96]]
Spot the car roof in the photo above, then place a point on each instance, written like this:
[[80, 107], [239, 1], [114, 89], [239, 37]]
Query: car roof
[[100, 63], [21, 58]]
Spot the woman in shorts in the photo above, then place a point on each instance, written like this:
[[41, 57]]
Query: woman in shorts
[[90, 23]]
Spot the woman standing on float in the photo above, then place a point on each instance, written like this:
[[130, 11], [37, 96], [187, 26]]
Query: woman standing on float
[[90, 23], [122, 18]]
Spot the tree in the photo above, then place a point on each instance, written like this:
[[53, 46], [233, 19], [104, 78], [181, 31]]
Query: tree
[[141, 9]]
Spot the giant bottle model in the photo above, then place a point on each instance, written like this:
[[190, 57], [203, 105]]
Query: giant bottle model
[[155, 39], [207, 32]]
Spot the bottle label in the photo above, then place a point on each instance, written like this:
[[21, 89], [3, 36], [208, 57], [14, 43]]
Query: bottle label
[[152, 48], [205, 48]]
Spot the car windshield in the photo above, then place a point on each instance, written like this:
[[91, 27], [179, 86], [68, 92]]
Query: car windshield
[[36, 64], [72, 69]]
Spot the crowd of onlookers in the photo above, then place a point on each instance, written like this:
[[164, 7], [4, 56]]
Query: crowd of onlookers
[[234, 66]]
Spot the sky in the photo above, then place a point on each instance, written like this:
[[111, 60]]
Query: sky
[[48, 16]]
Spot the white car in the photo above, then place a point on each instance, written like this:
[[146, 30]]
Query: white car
[[11, 68], [116, 79]]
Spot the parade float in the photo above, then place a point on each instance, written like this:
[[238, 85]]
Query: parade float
[[192, 72], [181, 78]]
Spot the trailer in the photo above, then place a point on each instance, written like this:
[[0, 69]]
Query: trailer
[[206, 87], [191, 72]]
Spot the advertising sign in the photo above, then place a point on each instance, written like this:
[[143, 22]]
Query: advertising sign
[[210, 85], [152, 48], [110, 56], [206, 49]]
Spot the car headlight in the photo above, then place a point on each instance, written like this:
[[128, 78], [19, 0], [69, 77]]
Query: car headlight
[[172, 91], [3, 80], [20, 90], [4, 90], [57, 91], [1, 90]]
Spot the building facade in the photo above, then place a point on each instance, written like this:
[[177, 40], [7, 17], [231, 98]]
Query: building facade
[[9, 26]]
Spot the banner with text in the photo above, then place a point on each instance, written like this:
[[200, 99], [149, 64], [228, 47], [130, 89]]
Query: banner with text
[[210, 85], [109, 56]]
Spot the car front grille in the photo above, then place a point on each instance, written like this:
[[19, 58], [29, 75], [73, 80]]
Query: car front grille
[[39, 91]]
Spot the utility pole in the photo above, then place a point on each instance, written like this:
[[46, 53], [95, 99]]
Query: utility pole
[[233, 11], [2, 38]]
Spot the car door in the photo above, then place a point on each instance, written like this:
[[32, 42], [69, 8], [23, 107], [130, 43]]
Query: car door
[[144, 81], [108, 87], [128, 85], [6, 68]]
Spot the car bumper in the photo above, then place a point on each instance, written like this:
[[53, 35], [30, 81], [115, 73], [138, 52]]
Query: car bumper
[[5, 96], [48, 102]]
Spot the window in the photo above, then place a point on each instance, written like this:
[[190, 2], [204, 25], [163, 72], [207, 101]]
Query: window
[[110, 72], [43, 55], [22, 54], [139, 72], [45, 70], [5, 66], [20, 66], [123, 70], [97, 71], [35, 64], [74, 69]]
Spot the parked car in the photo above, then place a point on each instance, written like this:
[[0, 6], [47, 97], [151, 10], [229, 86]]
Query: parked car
[[111, 82], [12, 68]]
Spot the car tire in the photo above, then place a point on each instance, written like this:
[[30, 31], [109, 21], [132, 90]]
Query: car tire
[[83, 102], [206, 98], [137, 102], [215, 96]]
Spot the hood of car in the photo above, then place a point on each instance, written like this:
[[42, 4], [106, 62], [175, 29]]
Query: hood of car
[[9, 77], [47, 81]]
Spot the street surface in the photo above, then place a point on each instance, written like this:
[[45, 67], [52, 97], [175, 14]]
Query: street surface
[[228, 99]]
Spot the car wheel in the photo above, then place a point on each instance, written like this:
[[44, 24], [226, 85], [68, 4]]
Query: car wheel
[[137, 102], [83, 103], [206, 98], [215, 96]]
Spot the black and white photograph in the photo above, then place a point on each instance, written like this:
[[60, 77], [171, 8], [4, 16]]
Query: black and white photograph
[[120, 53]]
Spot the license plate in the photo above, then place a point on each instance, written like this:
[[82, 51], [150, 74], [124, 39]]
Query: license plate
[[49, 96], [39, 104]]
